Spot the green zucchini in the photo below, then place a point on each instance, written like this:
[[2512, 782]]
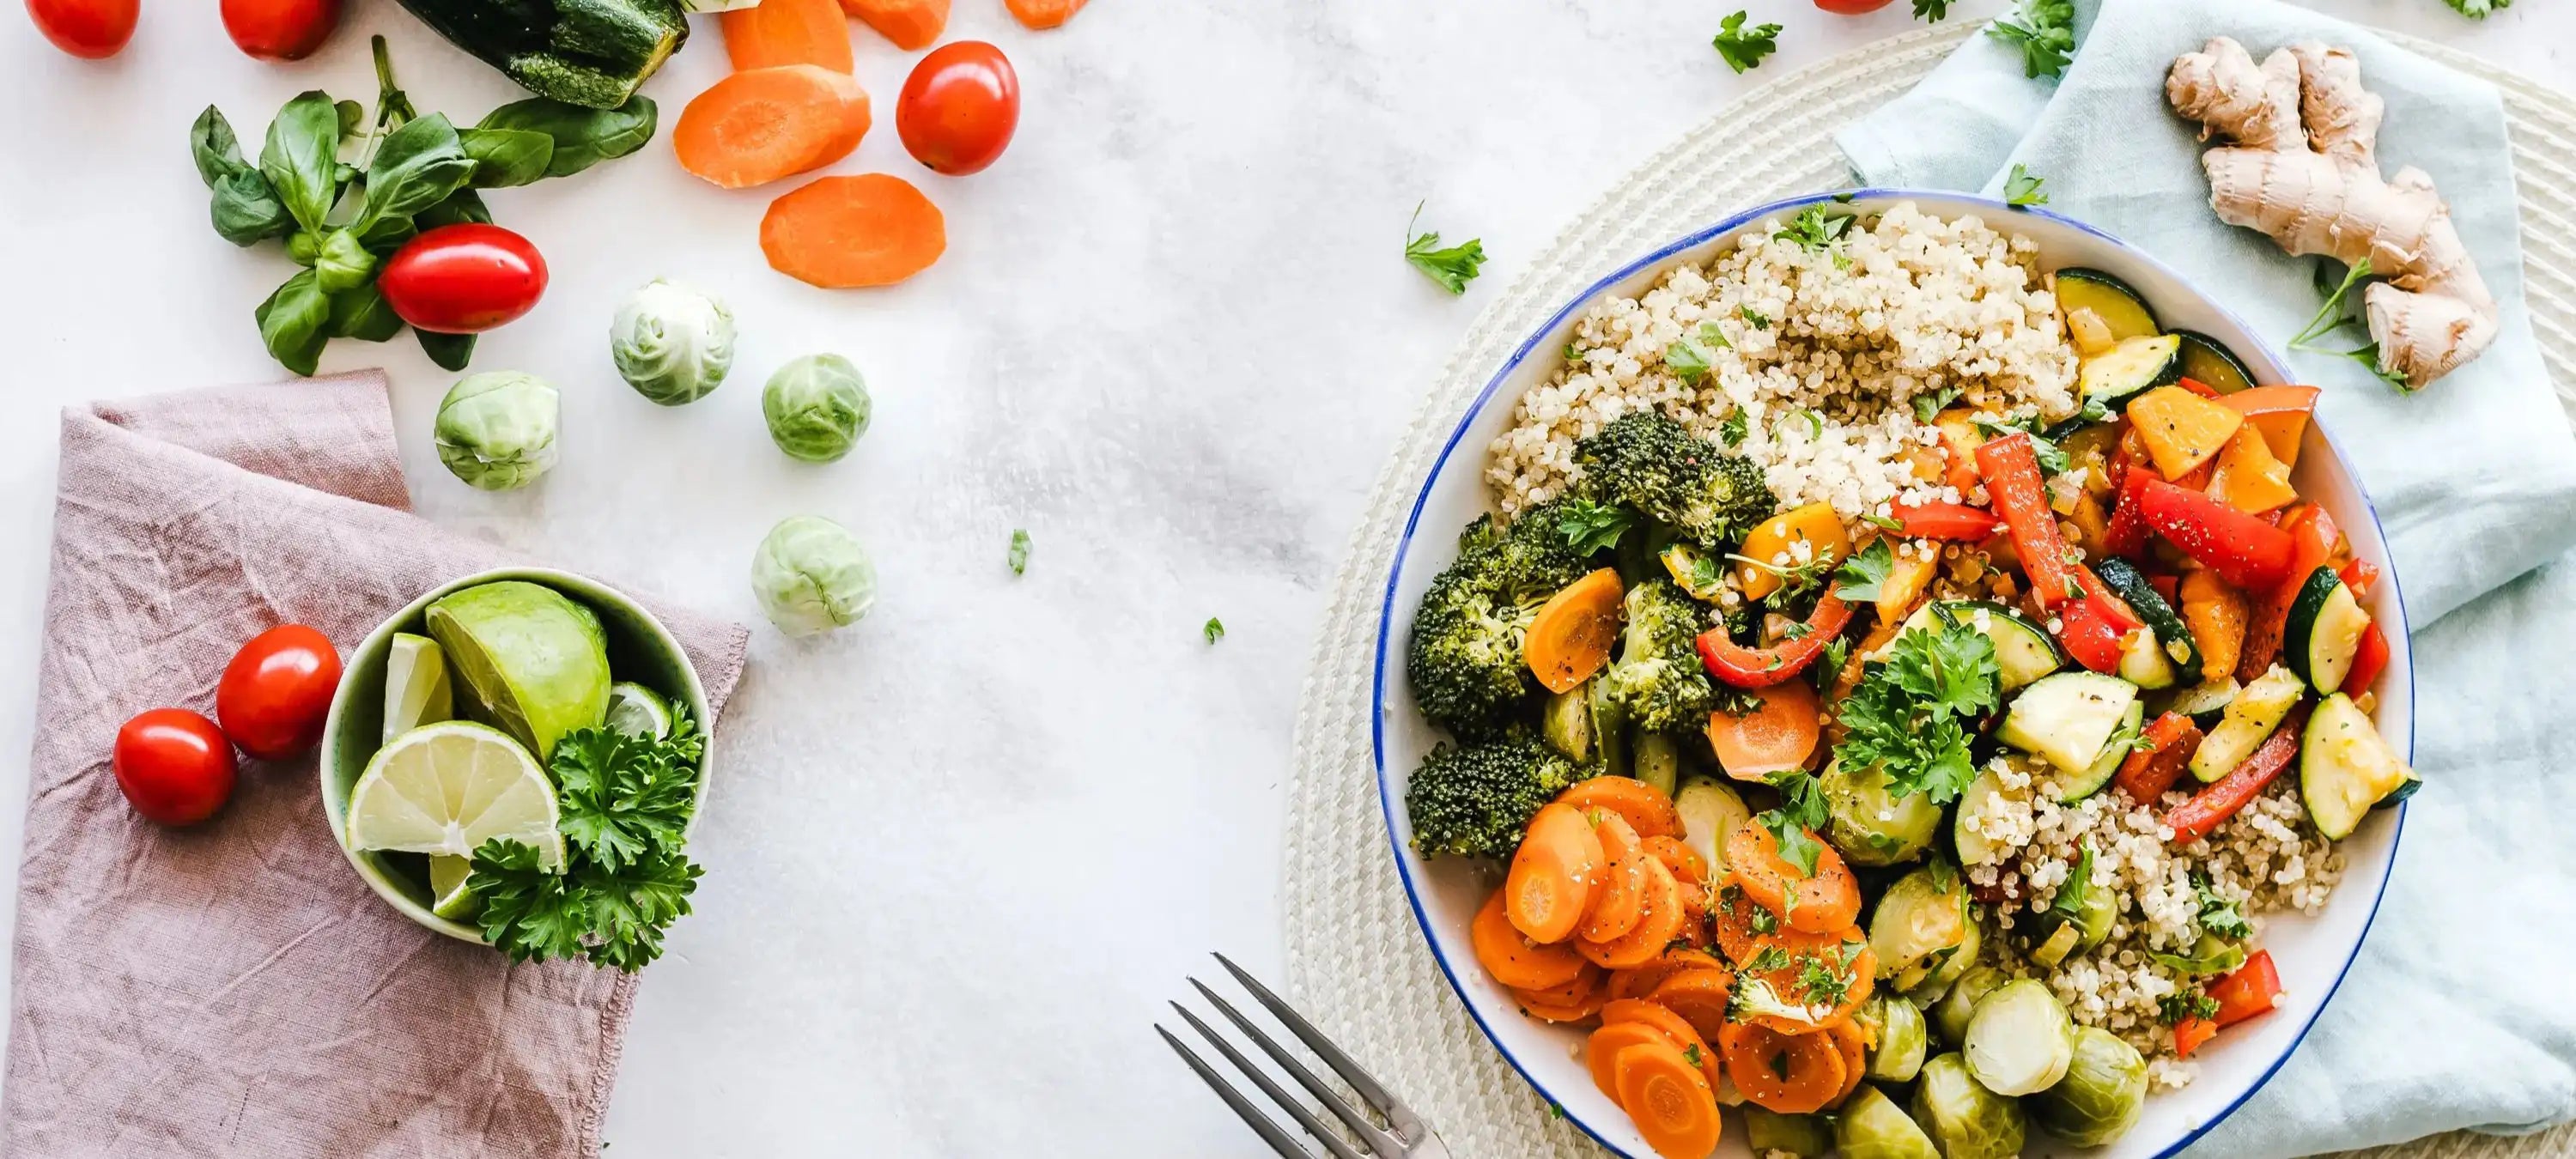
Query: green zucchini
[[2250, 719], [2345, 768], [2143, 662], [2075, 787], [2324, 630], [2120, 308], [2205, 702], [2130, 368], [2068, 718], [2206, 362], [2131, 585], [2023, 652], [593, 53]]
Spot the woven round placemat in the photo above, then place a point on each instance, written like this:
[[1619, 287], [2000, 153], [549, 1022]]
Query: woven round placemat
[[1357, 964]]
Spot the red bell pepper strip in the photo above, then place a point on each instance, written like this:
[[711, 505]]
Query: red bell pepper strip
[[2191, 1033], [2313, 535], [2242, 549], [2200, 388], [2121, 615], [2360, 575], [1951, 521], [2368, 661], [2011, 470], [2090, 634], [2249, 991], [2216, 802], [2150, 772], [2165, 585], [1743, 667], [2127, 536]]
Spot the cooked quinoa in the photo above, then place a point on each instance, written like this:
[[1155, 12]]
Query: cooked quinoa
[[1815, 354]]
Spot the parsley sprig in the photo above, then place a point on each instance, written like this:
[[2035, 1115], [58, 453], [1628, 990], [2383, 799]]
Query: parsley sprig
[[2044, 31], [2342, 308], [2024, 187], [1590, 527], [1743, 48], [1909, 715], [2479, 9], [1453, 267], [2219, 916], [1802, 810]]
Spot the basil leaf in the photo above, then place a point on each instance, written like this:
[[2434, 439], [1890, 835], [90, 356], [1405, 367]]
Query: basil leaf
[[342, 263], [217, 152], [461, 207], [303, 146], [583, 137], [353, 116], [291, 323], [361, 312], [416, 166], [449, 351], [246, 211], [505, 157]]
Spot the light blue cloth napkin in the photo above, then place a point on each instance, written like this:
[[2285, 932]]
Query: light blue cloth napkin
[[2461, 1011]]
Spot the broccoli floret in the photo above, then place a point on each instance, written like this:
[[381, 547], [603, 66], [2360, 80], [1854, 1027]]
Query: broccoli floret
[[1465, 657], [1475, 801], [1674, 477], [1658, 679]]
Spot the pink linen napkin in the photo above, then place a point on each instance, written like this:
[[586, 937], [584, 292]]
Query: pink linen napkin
[[234, 988]]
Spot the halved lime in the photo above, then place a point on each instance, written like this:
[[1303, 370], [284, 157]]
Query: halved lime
[[447, 884], [449, 787], [638, 711], [533, 659], [417, 690]]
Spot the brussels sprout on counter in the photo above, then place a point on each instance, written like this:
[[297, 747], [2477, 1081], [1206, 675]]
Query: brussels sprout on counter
[[1870, 1126], [2099, 1099], [1770, 1132], [812, 576], [1872, 825], [1900, 1035], [671, 343], [1920, 924], [2020, 1040], [817, 407], [496, 430], [1950, 1015], [1965, 1119]]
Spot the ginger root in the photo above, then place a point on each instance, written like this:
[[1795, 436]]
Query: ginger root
[[2298, 164]]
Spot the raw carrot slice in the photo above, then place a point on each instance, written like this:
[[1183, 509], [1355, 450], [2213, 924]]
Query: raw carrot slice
[[1678, 856], [1640, 981], [1621, 897], [1657, 925], [776, 32], [912, 25], [1797, 982], [1778, 735], [1043, 14], [1738, 921], [1570, 638], [1572, 1002], [1672, 1103], [1553, 874], [1699, 997], [1601, 1051], [1853, 1040], [1823, 902], [1791, 1074], [1513, 959], [840, 232], [766, 123], [1646, 808]]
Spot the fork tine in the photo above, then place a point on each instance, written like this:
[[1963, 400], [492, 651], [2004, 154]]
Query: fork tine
[[1407, 1124], [1295, 1109], [1385, 1145], [1252, 1116]]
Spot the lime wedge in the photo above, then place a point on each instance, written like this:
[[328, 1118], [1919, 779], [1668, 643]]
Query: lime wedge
[[449, 787], [638, 711], [535, 661], [417, 690], [447, 884]]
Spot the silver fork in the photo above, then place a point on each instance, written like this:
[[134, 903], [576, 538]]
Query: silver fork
[[1405, 1135]]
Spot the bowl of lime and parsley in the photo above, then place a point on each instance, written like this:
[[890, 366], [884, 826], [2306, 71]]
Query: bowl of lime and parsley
[[517, 758]]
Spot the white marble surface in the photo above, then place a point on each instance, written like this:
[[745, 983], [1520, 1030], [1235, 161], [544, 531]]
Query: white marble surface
[[963, 851]]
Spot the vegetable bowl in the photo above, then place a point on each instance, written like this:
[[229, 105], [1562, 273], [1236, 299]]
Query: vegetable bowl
[[1901, 554], [594, 679]]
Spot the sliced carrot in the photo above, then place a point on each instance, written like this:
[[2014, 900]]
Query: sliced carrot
[[1826, 901], [1853, 1040], [1513, 959], [1621, 897], [1737, 921], [1641, 980], [776, 32], [763, 124], [1791, 1074], [1672, 1103], [1678, 856], [1570, 638], [1674, 1026], [1573, 1002], [1822, 977], [1657, 925], [1553, 874], [1044, 14], [1699, 997], [839, 232], [1601, 1050], [1778, 735], [1646, 808], [912, 25]]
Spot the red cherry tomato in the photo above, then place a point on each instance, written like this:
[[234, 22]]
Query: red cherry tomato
[[463, 279], [90, 29], [277, 690], [959, 108], [1851, 7], [280, 29], [174, 765]]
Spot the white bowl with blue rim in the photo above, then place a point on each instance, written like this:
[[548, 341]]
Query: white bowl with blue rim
[[2312, 953]]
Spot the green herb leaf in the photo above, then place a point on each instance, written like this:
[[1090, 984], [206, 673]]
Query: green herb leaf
[[615, 919], [1932, 11], [1817, 228], [1864, 576], [623, 796], [303, 149], [2219, 916], [1802, 809], [2078, 887], [1754, 318], [448, 351], [2023, 187], [1743, 48], [1927, 407], [582, 137], [246, 211], [1590, 527], [2044, 31], [212, 145], [1214, 630], [506, 157], [342, 263], [1909, 715], [2185, 1005], [293, 323], [461, 207], [1732, 428], [2052, 458], [1685, 361], [415, 167], [2478, 9], [1453, 267], [2335, 312], [1019, 554]]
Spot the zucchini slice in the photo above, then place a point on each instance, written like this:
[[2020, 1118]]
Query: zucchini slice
[[2119, 307], [2207, 362], [2250, 719], [1984, 797], [2068, 717], [2070, 789], [2324, 630], [2130, 368], [2143, 662], [2023, 651], [2130, 584], [2205, 702], [2345, 768]]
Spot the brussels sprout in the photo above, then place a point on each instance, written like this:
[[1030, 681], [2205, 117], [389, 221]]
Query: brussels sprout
[[671, 343], [1658, 760], [2020, 1040], [1900, 1049], [1921, 921], [1966, 1120], [1871, 825], [2101, 1095], [2210, 955], [1950, 1015], [496, 430], [1609, 727], [1711, 812], [817, 407], [1951, 966], [812, 576], [1870, 1126], [1567, 723], [1805, 1136]]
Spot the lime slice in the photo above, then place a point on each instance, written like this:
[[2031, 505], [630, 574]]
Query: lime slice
[[534, 660], [449, 787], [417, 690], [638, 711], [447, 884]]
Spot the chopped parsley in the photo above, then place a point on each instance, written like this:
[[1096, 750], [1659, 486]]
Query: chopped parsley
[[1691, 1052], [1685, 361], [1763, 921], [1936, 11], [1754, 318], [1822, 984], [1743, 48], [1862, 577], [2078, 891], [1909, 716], [1214, 630], [2023, 187], [2184, 1006], [2052, 458], [1453, 267], [1731, 429], [1019, 555], [1817, 228], [1769, 960], [2218, 915], [1572, 353], [1589, 527], [1927, 407], [1802, 809], [2044, 31]]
